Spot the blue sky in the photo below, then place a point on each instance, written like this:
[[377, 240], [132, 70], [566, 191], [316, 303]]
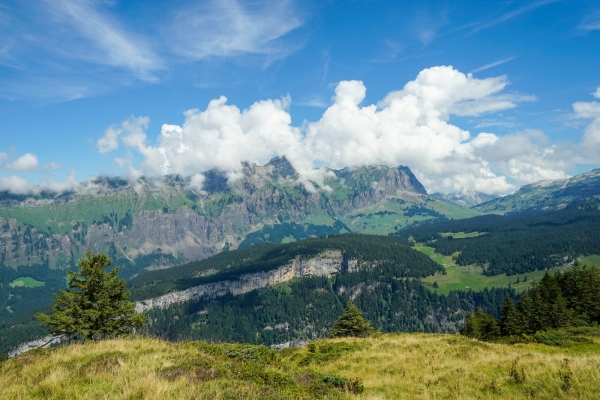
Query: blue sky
[[72, 72]]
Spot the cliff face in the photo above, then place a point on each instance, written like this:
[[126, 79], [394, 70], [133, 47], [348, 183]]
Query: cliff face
[[325, 264], [159, 224]]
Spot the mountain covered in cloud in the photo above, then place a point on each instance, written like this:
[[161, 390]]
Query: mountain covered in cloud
[[546, 195], [161, 222], [468, 198]]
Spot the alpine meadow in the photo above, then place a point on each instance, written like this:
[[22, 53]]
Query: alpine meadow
[[292, 199]]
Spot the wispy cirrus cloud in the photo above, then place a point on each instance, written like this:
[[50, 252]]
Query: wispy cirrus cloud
[[591, 23], [113, 44], [230, 28], [492, 64], [61, 50], [507, 16]]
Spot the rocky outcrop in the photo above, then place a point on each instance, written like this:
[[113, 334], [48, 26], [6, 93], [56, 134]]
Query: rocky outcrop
[[42, 343], [326, 264]]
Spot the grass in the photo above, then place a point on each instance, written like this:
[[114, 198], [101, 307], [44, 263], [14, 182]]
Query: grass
[[390, 366], [26, 281], [389, 216], [462, 235], [590, 260], [463, 278]]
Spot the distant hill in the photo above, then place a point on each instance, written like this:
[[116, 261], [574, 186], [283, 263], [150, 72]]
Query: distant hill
[[546, 195], [469, 198]]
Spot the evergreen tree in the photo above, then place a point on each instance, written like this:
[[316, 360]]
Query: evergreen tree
[[351, 323], [95, 305], [509, 324], [560, 313], [480, 325]]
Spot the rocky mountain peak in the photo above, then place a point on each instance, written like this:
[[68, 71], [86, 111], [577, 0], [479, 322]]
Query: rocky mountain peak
[[281, 167]]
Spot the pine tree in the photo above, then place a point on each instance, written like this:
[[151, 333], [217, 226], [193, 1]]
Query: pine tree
[[95, 305], [480, 325], [351, 323], [508, 321]]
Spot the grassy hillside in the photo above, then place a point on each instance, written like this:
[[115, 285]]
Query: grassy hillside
[[392, 366], [471, 277]]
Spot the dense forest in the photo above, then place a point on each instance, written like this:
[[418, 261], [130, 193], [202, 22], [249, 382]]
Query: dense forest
[[390, 295], [517, 244]]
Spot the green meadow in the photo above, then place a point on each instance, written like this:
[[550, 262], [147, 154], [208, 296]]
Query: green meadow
[[467, 277], [26, 281]]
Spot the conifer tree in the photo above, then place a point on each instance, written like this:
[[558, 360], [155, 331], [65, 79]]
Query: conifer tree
[[351, 323], [95, 305], [480, 325], [509, 324]]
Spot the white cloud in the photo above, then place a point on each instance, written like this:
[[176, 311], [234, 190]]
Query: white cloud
[[14, 184], [409, 127], [230, 28], [597, 93], [27, 162], [53, 166], [131, 126], [492, 64]]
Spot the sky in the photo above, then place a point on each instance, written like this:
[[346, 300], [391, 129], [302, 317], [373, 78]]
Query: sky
[[471, 95]]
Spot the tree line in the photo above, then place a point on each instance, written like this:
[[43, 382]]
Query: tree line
[[562, 300]]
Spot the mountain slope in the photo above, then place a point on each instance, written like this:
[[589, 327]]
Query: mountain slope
[[546, 195]]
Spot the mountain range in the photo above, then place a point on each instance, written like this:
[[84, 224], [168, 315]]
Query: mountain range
[[154, 224]]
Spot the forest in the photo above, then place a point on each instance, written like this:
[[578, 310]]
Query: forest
[[565, 299], [518, 243]]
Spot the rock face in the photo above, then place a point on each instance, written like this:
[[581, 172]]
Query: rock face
[[42, 343], [547, 195], [166, 222], [326, 264]]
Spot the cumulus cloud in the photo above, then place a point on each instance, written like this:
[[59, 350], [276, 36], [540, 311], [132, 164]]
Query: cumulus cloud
[[131, 126], [409, 127], [27, 162], [14, 184]]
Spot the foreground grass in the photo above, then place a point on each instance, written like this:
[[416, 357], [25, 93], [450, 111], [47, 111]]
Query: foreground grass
[[391, 366]]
